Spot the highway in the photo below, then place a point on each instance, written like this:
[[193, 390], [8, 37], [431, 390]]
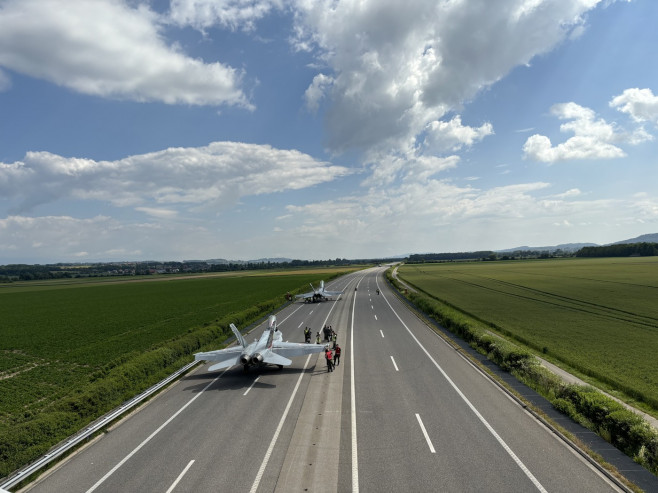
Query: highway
[[403, 411]]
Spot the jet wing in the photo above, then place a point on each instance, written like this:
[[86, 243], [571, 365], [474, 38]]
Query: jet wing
[[225, 364], [223, 357], [291, 349], [332, 293]]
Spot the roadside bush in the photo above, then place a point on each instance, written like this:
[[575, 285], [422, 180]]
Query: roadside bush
[[620, 426], [565, 407], [24, 441]]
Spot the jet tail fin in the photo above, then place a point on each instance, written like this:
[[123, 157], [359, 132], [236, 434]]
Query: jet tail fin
[[238, 336]]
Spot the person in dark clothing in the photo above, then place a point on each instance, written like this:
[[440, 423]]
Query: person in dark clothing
[[337, 355]]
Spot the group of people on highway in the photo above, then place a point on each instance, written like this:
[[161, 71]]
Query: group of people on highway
[[332, 349], [331, 352]]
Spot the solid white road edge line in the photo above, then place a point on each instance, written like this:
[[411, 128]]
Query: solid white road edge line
[[250, 387], [427, 437], [355, 458], [148, 439], [180, 476], [511, 453], [266, 459], [396, 366]]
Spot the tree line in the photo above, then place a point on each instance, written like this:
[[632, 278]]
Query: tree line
[[620, 250], [27, 272]]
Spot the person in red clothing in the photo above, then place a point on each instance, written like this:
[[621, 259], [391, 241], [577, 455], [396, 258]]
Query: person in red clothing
[[330, 359], [337, 355]]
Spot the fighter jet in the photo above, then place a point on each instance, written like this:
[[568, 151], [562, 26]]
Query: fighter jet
[[319, 294], [269, 349]]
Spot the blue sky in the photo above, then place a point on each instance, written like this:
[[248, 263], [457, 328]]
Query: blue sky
[[315, 129]]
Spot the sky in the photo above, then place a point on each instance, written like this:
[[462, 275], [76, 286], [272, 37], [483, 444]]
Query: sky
[[318, 129]]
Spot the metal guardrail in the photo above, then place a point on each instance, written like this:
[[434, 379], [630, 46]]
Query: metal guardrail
[[96, 426]]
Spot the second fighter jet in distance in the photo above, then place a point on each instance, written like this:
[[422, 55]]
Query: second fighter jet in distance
[[319, 294]]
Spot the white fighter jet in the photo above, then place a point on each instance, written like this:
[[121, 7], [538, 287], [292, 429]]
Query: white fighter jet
[[319, 294], [269, 349]]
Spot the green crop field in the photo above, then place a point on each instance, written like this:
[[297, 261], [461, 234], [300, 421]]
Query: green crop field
[[597, 316], [56, 336]]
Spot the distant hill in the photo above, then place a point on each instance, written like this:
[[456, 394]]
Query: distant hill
[[574, 247], [648, 238], [277, 260], [566, 247]]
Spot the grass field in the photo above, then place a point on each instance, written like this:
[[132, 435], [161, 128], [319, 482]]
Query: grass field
[[57, 336], [597, 316]]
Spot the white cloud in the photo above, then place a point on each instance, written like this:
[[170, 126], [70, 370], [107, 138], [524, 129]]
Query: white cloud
[[158, 212], [5, 81], [451, 136], [413, 206], [100, 238], [646, 208], [573, 192], [217, 174], [231, 14], [593, 138], [422, 168], [397, 66], [640, 104], [316, 91], [107, 48], [415, 217], [439, 216], [412, 166]]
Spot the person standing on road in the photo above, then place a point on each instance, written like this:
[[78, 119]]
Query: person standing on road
[[317, 338], [330, 359], [337, 355]]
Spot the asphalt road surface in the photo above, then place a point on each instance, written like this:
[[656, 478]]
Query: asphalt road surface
[[403, 411]]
